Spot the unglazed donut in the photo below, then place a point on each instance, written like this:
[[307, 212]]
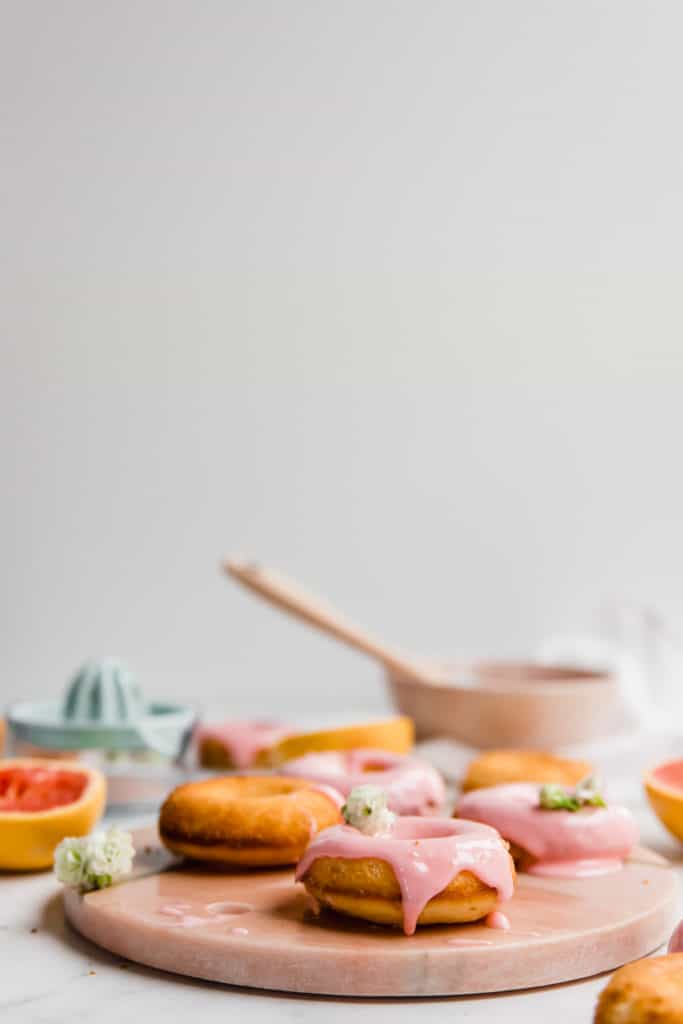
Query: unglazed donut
[[644, 992], [572, 844], [412, 786], [497, 767], [235, 744], [424, 871], [252, 820]]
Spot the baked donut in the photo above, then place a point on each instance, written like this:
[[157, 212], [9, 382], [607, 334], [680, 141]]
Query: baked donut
[[423, 871], [240, 745], [590, 840], [496, 767], [645, 992], [251, 820], [412, 786]]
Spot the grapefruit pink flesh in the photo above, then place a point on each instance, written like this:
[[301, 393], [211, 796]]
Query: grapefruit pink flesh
[[37, 789]]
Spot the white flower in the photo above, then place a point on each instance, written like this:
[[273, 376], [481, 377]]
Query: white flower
[[70, 861], [111, 855], [94, 862], [366, 809]]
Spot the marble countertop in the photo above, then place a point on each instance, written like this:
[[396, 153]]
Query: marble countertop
[[50, 975]]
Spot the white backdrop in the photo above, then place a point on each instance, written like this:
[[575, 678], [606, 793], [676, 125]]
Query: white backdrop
[[386, 294]]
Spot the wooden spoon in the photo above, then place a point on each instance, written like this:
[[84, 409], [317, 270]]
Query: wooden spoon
[[290, 598]]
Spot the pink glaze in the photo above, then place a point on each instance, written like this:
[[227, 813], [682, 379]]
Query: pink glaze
[[425, 854], [676, 940], [175, 909], [188, 915], [580, 868], [412, 786], [244, 740], [497, 919], [568, 844]]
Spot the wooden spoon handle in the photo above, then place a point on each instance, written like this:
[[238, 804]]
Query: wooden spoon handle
[[292, 599]]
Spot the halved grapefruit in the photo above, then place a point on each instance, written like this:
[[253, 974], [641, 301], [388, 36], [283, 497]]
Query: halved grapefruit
[[42, 802]]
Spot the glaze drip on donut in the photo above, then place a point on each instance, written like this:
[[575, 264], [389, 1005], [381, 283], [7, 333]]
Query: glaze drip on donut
[[425, 855], [590, 841], [412, 786], [496, 919]]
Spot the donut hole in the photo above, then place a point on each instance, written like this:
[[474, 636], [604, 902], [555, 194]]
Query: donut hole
[[265, 787], [412, 828]]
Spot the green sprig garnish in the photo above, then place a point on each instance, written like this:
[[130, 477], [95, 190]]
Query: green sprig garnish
[[556, 798], [587, 793]]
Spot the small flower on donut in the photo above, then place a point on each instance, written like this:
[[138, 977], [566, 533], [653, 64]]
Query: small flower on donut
[[366, 809], [587, 793]]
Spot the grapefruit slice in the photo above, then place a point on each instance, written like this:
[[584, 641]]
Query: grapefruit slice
[[394, 734], [42, 802]]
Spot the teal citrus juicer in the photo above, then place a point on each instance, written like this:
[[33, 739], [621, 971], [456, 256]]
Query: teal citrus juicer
[[103, 709]]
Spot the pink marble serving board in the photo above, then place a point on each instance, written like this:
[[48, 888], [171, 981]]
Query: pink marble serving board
[[256, 928]]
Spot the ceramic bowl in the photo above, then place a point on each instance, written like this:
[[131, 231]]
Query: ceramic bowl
[[492, 704], [664, 788]]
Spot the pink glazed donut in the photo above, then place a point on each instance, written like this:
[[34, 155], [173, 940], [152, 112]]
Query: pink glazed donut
[[412, 786], [560, 843]]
